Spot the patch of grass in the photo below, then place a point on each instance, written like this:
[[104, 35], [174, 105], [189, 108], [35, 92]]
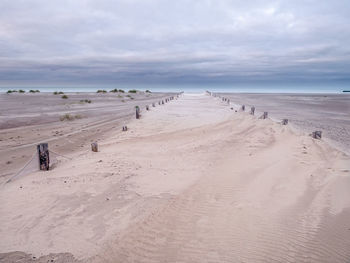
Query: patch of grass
[[11, 91], [64, 97], [70, 117], [132, 91], [101, 91], [85, 101]]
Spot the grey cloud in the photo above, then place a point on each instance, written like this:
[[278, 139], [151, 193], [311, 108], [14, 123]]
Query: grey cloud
[[173, 41]]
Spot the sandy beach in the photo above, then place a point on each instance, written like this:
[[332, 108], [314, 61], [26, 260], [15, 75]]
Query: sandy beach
[[190, 181]]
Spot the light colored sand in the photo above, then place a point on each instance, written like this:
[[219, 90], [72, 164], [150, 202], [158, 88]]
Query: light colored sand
[[191, 181]]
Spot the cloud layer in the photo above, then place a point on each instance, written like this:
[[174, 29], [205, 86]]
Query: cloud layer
[[183, 41]]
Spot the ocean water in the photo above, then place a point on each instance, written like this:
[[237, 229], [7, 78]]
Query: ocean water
[[189, 88]]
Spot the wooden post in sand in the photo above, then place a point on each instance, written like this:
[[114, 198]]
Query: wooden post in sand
[[316, 134], [158, 102], [94, 147], [137, 111], [153, 104], [147, 108], [243, 108], [284, 121], [252, 110], [44, 158], [162, 101], [264, 116], [125, 128]]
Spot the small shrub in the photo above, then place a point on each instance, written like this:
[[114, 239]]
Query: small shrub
[[32, 91], [101, 91], [69, 117], [148, 91], [132, 91], [85, 101], [9, 92], [21, 91], [114, 90], [64, 97], [61, 92], [37, 90], [120, 96], [121, 91], [55, 93], [129, 96]]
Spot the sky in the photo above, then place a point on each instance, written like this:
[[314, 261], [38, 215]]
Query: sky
[[174, 42]]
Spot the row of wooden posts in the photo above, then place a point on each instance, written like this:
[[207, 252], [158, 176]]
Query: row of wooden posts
[[315, 134], [43, 148]]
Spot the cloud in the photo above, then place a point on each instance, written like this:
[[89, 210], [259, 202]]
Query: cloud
[[107, 41]]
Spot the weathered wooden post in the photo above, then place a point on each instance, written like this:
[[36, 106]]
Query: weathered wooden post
[[125, 128], [162, 101], [284, 121], [137, 110], [153, 104], [158, 102], [264, 116], [94, 147], [317, 134], [243, 108], [44, 157], [252, 110], [147, 108]]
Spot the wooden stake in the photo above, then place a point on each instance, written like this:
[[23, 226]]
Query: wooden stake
[[94, 147], [284, 121], [264, 116], [252, 110], [243, 108], [125, 128], [137, 110], [317, 134], [153, 104], [44, 157], [147, 108]]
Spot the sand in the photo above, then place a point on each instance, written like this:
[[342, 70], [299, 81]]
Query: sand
[[329, 113], [191, 181]]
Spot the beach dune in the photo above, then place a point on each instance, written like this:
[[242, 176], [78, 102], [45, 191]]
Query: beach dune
[[191, 181]]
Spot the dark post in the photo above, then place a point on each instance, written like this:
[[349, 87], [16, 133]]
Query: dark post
[[162, 101], [243, 107], [284, 121], [264, 116], [252, 110], [137, 109], [153, 104], [317, 134], [125, 128], [94, 147], [147, 108], [44, 158]]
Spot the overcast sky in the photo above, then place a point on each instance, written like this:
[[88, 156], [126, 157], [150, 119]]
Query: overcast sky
[[173, 41]]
